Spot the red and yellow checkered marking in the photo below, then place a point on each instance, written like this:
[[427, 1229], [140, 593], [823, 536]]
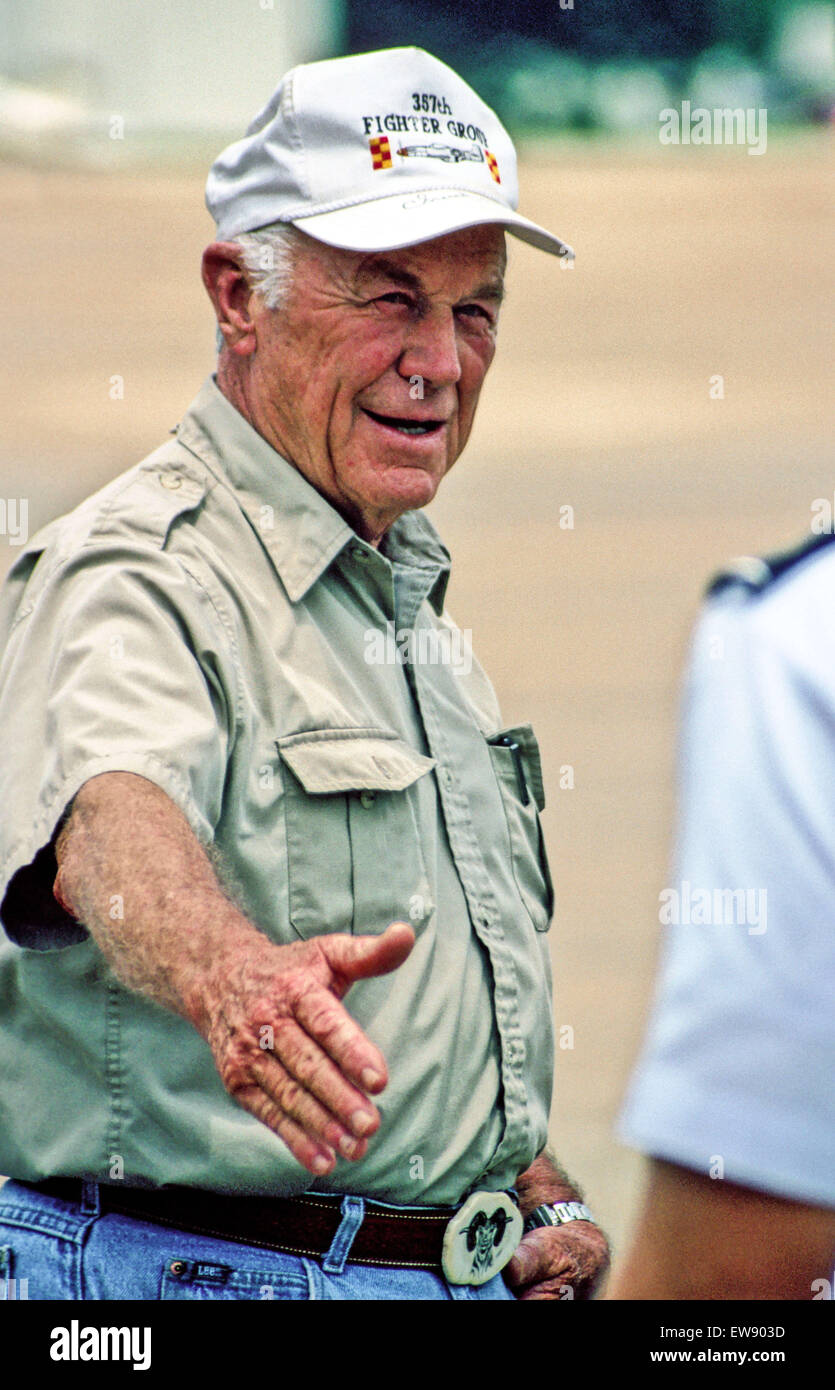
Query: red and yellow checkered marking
[[492, 165], [380, 151]]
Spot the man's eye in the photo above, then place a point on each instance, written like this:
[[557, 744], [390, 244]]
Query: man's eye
[[395, 297], [474, 311]]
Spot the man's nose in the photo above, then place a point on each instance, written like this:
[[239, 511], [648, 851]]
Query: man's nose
[[431, 350]]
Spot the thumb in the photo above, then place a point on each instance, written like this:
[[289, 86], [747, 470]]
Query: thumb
[[523, 1267], [360, 957]]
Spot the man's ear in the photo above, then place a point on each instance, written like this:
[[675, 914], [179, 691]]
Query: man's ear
[[228, 288]]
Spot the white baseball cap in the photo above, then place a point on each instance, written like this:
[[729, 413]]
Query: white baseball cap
[[371, 153]]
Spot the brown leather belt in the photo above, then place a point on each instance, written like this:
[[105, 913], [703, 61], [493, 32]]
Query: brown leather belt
[[306, 1225]]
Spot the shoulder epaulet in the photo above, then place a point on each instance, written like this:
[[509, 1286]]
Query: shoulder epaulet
[[145, 502], [754, 573]]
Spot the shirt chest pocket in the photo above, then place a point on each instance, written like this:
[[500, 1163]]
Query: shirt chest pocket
[[355, 860], [516, 763]]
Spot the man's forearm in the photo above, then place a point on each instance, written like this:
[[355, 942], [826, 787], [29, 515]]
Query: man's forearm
[[709, 1238], [555, 1262], [545, 1183], [133, 872]]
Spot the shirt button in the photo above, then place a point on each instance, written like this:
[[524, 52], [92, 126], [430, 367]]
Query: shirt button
[[446, 777], [171, 480], [358, 553], [367, 799]]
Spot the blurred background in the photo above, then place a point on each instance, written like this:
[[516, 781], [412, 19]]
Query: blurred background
[[654, 410]]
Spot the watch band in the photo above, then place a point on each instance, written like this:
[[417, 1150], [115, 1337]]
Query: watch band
[[558, 1214]]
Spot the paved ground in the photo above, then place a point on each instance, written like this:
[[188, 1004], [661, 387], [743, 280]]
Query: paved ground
[[692, 264]]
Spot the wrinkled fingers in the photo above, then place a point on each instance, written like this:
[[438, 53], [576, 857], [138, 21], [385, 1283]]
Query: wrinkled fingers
[[330, 1025]]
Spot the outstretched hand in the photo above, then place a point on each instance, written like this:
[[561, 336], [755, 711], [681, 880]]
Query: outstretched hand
[[288, 1050]]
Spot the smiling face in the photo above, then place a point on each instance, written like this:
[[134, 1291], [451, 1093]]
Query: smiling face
[[368, 376]]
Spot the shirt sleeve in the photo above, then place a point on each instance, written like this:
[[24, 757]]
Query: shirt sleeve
[[736, 1075], [121, 664]]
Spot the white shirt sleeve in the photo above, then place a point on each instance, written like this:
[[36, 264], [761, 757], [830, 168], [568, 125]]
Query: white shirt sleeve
[[737, 1075]]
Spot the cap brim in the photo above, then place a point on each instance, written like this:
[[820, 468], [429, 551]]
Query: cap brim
[[404, 219]]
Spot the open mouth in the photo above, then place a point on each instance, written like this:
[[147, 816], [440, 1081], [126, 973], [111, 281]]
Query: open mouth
[[404, 425]]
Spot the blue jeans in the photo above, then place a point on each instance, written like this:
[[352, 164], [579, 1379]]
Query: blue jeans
[[52, 1249]]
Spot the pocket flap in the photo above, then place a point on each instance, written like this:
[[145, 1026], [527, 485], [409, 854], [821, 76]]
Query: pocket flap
[[524, 736], [345, 760]]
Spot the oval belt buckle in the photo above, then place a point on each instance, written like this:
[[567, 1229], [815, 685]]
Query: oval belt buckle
[[480, 1238]]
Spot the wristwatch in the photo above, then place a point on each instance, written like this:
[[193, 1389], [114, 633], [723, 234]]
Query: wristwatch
[[558, 1215]]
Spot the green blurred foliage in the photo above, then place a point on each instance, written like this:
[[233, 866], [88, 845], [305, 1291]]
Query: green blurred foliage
[[604, 65]]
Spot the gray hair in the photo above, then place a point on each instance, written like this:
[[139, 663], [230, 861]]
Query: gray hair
[[269, 258]]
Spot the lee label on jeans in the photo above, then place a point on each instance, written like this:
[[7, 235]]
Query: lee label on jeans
[[76, 1343]]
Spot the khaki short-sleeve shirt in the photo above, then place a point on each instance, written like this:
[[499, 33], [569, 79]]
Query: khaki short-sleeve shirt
[[209, 622]]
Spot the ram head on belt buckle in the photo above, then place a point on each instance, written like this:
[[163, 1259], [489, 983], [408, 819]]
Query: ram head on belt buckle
[[480, 1238]]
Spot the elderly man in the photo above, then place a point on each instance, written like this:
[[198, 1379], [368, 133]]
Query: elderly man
[[226, 805]]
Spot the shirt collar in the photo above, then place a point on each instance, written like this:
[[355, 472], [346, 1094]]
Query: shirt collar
[[298, 527]]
